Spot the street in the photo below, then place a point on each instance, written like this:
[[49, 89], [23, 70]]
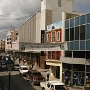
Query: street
[[17, 82]]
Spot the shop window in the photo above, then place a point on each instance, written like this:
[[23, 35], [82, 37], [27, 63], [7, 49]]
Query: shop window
[[72, 22], [57, 55], [49, 54], [88, 31], [53, 56], [71, 34], [88, 45], [71, 45], [68, 53], [82, 45], [58, 36], [67, 24], [88, 18], [82, 19], [76, 45], [76, 21], [76, 33], [66, 34], [82, 32]]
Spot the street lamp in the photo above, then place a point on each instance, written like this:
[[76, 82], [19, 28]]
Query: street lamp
[[9, 64]]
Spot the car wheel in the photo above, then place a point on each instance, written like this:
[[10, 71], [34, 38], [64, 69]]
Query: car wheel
[[43, 88]]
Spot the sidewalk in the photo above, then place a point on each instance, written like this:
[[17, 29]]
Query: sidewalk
[[43, 72]]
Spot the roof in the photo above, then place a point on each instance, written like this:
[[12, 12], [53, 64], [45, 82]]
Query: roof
[[23, 66], [34, 71], [56, 82]]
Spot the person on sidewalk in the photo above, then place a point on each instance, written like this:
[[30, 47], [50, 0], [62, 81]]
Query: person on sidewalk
[[66, 80], [48, 74]]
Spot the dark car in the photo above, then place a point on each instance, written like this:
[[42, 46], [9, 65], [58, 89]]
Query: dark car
[[34, 76], [3, 66], [16, 66]]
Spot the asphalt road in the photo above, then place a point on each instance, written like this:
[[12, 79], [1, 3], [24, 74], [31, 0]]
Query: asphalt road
[[17, 82]]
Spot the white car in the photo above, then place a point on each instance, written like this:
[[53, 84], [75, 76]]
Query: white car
[[23, 70], [56, 85]]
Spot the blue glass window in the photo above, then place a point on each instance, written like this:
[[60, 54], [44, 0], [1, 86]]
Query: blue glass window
[[82, 45], [76, 21], [88, 18], [82, 19], [88, 45], [76, 45], [71, 45], [68, 46], [67, 24], [72, 22], [88, 31]]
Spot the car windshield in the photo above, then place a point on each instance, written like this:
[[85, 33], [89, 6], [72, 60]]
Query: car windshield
[[59, 87], [16, 65], [37, 74], [24, 68]]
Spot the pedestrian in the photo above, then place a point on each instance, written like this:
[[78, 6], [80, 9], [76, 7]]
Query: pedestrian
[[48, 74], [66, 80]]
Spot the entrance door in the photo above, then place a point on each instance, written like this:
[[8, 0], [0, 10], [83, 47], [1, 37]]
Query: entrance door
[[58, 72], [78, 78]]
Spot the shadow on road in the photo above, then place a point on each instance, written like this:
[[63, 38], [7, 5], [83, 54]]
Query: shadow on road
[[16, 82]]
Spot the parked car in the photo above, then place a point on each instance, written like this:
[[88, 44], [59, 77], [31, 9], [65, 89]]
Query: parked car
[[23, 70], [3, 66], [34, 76], [55, 84], [16, 66]]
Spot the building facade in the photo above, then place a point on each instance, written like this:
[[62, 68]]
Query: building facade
[[76, 59], [12, 36]]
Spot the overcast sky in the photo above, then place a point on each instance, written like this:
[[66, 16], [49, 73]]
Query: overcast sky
[[15, 12]]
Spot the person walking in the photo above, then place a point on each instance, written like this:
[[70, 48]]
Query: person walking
[[66, 80], [48, 74]]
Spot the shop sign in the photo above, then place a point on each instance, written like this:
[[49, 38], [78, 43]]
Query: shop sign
[[42, 47]]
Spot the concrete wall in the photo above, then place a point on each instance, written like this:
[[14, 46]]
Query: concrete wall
[[73, 60], [28, 30]]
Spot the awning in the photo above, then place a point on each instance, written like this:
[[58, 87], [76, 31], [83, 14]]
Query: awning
[[53, 62]]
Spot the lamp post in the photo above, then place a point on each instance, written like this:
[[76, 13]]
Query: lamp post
[[10, 64]]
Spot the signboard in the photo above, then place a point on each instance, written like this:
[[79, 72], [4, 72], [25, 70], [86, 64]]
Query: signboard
[[42, 47], [56, 25]]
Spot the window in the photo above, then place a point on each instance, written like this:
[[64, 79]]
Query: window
[[71, 34], [66, 34], [59, 3], [48, 38], [76, 45], [82, 45], [76, 21], [49, 54], [88, 45], [82, 32], [88, 18], [53, 55], [57, 55], [67, 24], [76, 33], [53, 36], [71, 45], [82, 19], [72, 22], [58, 36], [88, 31]]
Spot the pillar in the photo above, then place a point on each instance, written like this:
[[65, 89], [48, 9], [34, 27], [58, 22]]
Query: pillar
[[63, 30], [61, 72]]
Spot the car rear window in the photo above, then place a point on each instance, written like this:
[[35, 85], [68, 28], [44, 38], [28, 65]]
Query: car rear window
[[24, 68]]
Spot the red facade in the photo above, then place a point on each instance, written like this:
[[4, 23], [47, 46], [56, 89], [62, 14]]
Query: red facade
[[56, 39]]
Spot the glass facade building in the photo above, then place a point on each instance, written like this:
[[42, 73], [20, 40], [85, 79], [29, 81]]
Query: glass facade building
[[77, 32]]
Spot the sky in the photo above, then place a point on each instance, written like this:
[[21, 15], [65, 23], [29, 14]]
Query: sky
[[14, 12]]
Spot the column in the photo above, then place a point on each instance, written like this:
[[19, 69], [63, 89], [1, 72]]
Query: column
[[61, 72], [63, 30]]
